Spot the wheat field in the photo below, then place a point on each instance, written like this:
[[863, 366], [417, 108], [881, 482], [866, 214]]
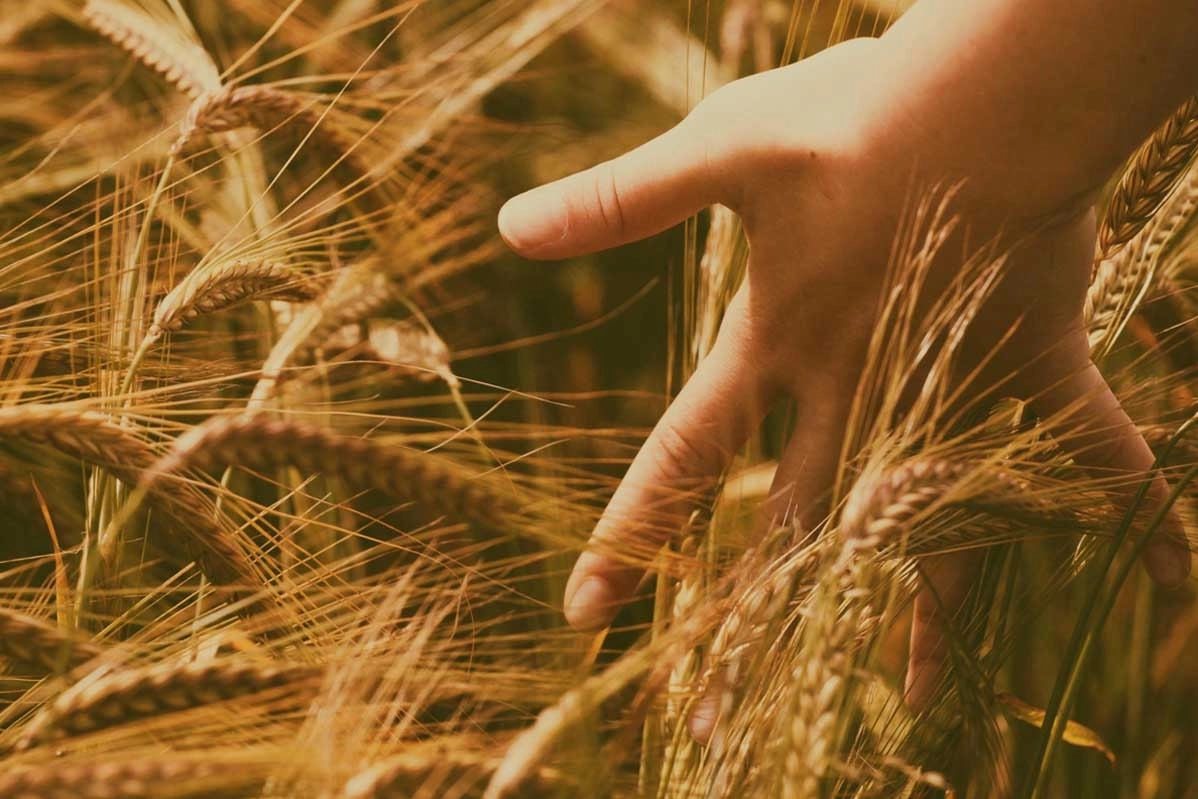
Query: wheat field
[[295, 457]]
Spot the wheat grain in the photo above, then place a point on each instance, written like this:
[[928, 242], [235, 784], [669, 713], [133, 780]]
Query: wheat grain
[[160, 47], [35, 642], [687, 596], [744, 642], [1148, 180], [264, 442], [107, 699], [225, 285]]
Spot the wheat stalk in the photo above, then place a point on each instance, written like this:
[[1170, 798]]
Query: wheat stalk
[[1154, 171], [87, 435], [226, 285], [181, 61], [107, 699], [414, 349], [35, 642], [264, 442], [153, 777]]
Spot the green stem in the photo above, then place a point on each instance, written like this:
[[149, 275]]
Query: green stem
[[1137, 689]]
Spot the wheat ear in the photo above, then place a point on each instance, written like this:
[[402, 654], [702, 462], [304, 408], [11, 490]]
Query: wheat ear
[[180, 61], [96, 439], [266, 108], [35, 642], [228, 284], [1148, 180], [356, 293], [1122, 281], [842, 616], [143, 778], [109, 699], [881, 511], [264, 442]]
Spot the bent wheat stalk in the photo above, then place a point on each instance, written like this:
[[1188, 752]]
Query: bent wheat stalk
[[267, 109], [355, 294], [880, 512]]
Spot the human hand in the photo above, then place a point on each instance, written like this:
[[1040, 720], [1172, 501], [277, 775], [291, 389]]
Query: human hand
[[818, 159]]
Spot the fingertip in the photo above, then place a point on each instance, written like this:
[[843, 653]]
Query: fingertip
[[922, 677], [532, 222], [590, 603], [1167, 562], [702, 720]]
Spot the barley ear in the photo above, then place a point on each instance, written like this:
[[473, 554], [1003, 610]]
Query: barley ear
[[37, 643], [1154, 171], [161, 47]]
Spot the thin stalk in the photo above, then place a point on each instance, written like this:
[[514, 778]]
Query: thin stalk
[[139, 249], [1137, 688]]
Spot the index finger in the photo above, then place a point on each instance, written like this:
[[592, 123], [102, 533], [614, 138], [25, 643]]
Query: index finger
[[685, 454]]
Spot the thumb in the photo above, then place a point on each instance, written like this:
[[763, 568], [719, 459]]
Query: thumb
[[643, 192]]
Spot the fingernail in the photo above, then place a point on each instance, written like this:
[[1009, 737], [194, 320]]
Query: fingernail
[[590, 606], [526, 226]]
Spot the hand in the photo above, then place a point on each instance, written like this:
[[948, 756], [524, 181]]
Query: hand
[[818, 159]]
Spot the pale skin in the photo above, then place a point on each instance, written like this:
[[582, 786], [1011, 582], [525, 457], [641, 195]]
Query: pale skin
[[1028, 106]]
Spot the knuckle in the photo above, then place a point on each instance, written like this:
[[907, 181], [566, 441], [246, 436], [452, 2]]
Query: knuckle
[[680, 452], [607, 200]]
